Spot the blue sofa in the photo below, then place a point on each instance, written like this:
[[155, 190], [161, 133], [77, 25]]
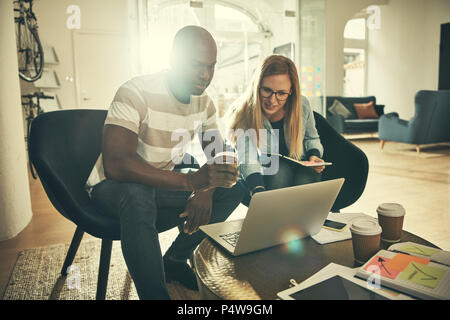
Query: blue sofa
[[352, 124], [430, 123]]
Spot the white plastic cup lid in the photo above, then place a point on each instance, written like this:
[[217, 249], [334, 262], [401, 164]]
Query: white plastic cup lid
[[225, 157], [391, 210], [365, 227], [226, 154]]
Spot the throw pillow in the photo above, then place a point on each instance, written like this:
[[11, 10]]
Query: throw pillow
[[338, 108], [366, 110]]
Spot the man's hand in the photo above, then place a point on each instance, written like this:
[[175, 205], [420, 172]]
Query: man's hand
[[317, 159], [198, 210], [214, 175]]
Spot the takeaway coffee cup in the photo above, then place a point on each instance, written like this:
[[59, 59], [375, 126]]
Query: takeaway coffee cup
[[366, 234], [390, 218]]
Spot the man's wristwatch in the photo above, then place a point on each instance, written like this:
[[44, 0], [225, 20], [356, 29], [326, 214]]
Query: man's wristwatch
[[256, 189]]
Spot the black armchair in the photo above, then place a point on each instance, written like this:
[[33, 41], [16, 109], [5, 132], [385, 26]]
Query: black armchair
[[64, 146], [348, 160]]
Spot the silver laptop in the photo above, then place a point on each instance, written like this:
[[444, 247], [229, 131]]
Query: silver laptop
[[276, 217]]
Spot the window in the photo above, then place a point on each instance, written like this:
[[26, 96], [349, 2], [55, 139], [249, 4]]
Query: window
[[355, 44], [239, 40], [355, 29]]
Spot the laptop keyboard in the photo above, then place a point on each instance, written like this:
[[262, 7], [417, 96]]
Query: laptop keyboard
[[231, 238]]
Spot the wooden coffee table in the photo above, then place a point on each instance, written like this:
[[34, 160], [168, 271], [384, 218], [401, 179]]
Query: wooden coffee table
[[262, 274]]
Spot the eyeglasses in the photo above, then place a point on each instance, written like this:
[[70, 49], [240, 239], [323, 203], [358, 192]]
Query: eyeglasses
[[267, 93]]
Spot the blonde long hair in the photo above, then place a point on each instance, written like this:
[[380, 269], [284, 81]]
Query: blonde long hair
[[246, 112]]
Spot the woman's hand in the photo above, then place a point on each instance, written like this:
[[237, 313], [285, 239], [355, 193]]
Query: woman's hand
[[317, 159]]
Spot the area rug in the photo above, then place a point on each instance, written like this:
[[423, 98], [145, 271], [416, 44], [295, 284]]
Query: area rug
[[36, 276]]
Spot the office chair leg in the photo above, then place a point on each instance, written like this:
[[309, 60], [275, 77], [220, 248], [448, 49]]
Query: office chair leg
[[76, 240], [103, 270]]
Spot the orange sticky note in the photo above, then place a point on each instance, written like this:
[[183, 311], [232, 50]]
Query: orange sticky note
[[401, 261], [379, 265]]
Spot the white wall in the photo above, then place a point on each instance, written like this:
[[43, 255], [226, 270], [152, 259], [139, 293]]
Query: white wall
[[15, 203], [338, 12], [104, 15], [403, 56]]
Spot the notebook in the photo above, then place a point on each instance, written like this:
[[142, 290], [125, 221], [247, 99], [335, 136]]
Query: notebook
[[301, 162], [403, 269]]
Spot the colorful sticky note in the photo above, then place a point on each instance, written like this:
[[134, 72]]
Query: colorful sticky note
[[303, 86], [423, 275], [309, 85], [318, 69], [317, 79], [413, 249], [318, 93], [379, 265], [309, 94], [318, 86], [401, 261], [310, 69], [303, 69], [310, 78]]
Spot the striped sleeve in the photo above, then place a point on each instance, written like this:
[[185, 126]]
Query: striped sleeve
[[127, 109], [211, 117]]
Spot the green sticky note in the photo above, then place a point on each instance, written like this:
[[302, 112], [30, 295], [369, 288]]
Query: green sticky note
[[422, 274], [411, 249]]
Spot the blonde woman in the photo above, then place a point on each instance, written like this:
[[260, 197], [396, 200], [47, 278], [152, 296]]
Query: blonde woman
[[272, 117]]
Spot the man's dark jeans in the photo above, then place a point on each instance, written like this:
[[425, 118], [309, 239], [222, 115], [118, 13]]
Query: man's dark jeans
[[140, 209]]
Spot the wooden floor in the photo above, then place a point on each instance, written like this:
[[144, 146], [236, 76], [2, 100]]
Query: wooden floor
[[420, 184]]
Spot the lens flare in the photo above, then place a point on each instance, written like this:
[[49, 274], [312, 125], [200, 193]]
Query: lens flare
[[292, 243]]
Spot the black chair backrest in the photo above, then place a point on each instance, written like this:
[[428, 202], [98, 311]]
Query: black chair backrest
[[348, 160], [64, 146]]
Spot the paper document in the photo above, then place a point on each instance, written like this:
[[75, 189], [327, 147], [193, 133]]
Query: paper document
[[333, 269], [301, 162], [434, 254], [328, 236], [408, 273]]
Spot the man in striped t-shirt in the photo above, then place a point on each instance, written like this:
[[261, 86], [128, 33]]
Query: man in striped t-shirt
[[149, 124]]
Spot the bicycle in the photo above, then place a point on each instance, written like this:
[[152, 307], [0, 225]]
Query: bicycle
[[30, 53], [32, 110]]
